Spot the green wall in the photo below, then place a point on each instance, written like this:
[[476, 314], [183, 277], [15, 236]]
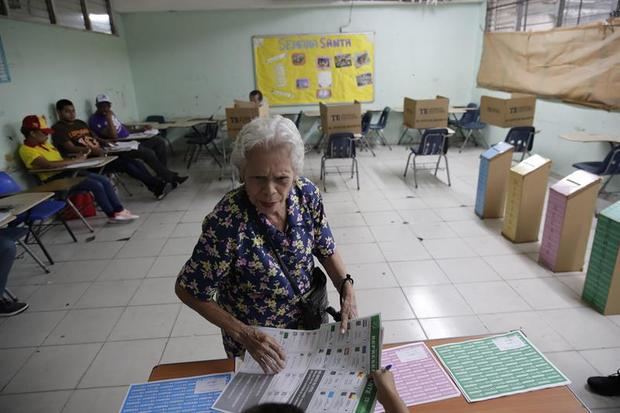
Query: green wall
[[47, 63]]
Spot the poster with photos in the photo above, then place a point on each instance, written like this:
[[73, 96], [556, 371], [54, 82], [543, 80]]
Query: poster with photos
[[311, 68]]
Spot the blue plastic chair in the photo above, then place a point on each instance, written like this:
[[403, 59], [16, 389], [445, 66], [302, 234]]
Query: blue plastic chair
[[522, 138], [17, 235], [164, 132], [469, 124], [434, 142], [35, 218], [365, 144], [379, 127], [340, 146], [610, 166]]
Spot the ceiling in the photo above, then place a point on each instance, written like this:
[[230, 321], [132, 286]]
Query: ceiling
[[131, 6]]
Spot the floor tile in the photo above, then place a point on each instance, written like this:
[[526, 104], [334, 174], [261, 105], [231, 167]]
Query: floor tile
[[186, 230], [193, 348], [11, 361], [190, 323], [57, 296], [432, 230], [110, 367], [168, 265], [583, 328], [150, 321], [155, 291], [389, 233], [382, 218], [98, 400], [46, 402], [345, 220], [371, 275], [402, 331], [164, 217], [606, 361], [574, 281], [516, 266], [405, 250], [414, 273], [453, 327], [28, 328], [108, 294], [342, 207], [436, 301], [533, 325], [154, 231], [127, 268], [361, 253], [408, 203], [419, 216], [179, 246], [142, 248], [85, 326], [54, 368], [546, 293], [77, 271], [492, 297], [390, 302], [194, 215], [490, 245], [448, 248], [352, 235], [456, 213], [471, 228], [463, 270], [372, 205]]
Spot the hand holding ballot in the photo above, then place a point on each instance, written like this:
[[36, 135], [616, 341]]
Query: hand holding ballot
[[267, 352]]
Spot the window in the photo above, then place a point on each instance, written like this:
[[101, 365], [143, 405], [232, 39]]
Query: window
[[533, 15], [94, 15]]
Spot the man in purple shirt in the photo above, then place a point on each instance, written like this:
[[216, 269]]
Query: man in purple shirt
[[152, 151]]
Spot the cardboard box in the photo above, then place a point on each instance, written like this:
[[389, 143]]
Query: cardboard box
[[240, 114], [495, 164], [602, 286], [527, 187], [424, 114], [570, 209], [506, 113], [341, 118]]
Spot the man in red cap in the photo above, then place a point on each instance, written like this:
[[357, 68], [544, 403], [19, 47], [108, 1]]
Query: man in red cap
[[37, 153]]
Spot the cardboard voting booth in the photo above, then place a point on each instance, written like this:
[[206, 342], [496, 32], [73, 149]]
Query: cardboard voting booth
[[341, 118], [570, 209], [527, 186], [242, 113], [602, 287], [506, 113], [492, 180], [424, 114]]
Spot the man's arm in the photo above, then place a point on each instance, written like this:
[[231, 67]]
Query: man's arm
[[42, 163]]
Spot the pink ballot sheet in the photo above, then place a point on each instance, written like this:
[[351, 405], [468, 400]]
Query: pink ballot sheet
[[418, 375]]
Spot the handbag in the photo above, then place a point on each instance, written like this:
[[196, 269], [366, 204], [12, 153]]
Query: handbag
[[84, 202]]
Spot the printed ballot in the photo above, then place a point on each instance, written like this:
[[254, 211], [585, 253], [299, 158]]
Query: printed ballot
[[326, 371]]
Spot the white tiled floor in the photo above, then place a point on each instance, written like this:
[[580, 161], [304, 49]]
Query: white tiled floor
[[107, 313]]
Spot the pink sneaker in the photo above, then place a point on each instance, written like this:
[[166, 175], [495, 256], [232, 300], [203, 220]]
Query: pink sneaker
[[123, 216]]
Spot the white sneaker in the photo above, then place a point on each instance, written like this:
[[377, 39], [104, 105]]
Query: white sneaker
[[123, 216]]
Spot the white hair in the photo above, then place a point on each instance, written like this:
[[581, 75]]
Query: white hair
[[268, 132]]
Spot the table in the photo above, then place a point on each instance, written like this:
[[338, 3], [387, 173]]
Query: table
[[23, 201], [97, 162], [7, 219], [557, 399], [591, 137]]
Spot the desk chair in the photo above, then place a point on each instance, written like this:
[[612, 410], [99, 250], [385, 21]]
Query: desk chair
[[163, 133], [196, 143], [610, 166], [434, 142], [298, 119], [35, 219], [469, 124], [378, 127], [18, 235], [365, 131], [340, 146], [522, 138]]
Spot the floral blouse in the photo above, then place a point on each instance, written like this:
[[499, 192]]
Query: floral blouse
[[233, 264]]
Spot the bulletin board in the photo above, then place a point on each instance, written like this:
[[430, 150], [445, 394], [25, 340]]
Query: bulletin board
[[305, 69]]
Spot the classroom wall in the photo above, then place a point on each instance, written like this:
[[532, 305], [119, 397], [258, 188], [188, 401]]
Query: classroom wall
[[48, 63], [196, 63]]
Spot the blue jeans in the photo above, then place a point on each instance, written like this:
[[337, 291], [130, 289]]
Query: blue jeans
[[7, 256], [102, 189], [135, 169]]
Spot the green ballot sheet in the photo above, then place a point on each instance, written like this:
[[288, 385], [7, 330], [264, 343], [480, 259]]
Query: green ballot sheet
[[498, 366]]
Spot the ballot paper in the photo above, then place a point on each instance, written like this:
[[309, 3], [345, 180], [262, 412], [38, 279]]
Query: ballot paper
[[148, 133], [326, 371], [124, 146]]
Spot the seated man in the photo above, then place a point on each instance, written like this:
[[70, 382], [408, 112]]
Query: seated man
[[37, 153], [152, 151], [7, 252], [72, 136]]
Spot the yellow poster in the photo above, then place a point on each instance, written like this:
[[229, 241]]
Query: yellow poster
[[311, 68]]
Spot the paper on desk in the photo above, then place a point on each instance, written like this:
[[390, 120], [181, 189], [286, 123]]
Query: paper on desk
[[148, 133], [326, 371], [83, 164], [123, 146]]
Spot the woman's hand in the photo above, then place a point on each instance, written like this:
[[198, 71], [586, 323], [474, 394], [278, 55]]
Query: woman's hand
[[264, 349], [387, 394], [348, 306]]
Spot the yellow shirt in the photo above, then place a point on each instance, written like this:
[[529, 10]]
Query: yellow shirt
[[45, 150]]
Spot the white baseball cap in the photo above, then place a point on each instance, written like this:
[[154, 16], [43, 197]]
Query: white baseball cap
[[102, 99]]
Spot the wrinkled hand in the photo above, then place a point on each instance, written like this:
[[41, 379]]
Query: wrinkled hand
[[264, 349], [348, 306], [386, 388]]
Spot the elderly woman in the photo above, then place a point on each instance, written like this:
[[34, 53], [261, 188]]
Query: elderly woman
[[234, 278]]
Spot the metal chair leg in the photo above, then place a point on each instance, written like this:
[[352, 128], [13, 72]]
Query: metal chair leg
[[447, 170], [402, 135], [8, 292], [415, 172], [383, 140], [79, 214], [407, 165], [437, 164], [357, 173], [68, 228], [352, 166], [34, 257], [467, 136], [38, 240], [602, 190]]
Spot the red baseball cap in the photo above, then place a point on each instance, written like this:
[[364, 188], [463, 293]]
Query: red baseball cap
[[34, 122]]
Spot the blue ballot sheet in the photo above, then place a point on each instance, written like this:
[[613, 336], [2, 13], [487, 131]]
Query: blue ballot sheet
[[186, 395]]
